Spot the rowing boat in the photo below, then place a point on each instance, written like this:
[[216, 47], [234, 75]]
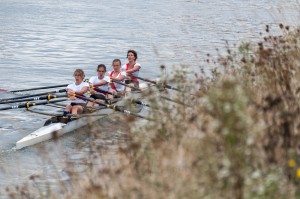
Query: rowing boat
[[57, 129]]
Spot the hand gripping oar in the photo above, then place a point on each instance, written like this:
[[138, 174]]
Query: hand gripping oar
[[33, 95], [114, 107], [45, 97], [29, 104], [38, 88]]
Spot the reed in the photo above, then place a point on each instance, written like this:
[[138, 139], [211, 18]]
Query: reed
[[238, 138]]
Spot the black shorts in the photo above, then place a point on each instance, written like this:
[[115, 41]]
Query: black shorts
[[80, 104], [98, 96]]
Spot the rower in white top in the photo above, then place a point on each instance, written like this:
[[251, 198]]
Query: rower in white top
[[100, 83], [79, 87], [116, 75]]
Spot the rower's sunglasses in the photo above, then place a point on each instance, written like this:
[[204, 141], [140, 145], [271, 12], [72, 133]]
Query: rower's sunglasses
[[101, 71]]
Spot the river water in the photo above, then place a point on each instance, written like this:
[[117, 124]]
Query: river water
[[43, 41]]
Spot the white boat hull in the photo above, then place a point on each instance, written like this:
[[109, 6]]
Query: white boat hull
[[42, 134], [57, 129]]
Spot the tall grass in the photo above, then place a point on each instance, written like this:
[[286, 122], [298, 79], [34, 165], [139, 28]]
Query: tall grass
[[237, 136]]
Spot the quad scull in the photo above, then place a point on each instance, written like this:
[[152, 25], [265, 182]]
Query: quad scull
[[59, 125]]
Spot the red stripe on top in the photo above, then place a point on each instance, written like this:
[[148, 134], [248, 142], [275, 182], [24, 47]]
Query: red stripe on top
[[112, 85], [134, 79]]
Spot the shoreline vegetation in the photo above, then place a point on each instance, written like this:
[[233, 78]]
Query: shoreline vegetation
[[237, 136]]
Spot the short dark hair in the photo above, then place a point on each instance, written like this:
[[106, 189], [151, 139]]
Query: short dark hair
[[101, 66], [116, 60], [133, 52]]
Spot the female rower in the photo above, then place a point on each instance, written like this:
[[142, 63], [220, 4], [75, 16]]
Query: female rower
[[99, 85], [132, 68], [116, 75], [78, 88]]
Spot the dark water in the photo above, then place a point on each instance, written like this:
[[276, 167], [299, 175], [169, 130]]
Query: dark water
[[43, 41]]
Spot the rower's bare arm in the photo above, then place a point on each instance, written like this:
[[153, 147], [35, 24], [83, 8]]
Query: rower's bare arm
[[120, 78], [82, 91], [101, 83], [133, 70]]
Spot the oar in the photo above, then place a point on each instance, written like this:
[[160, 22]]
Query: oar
[[114, 107], [104, 91], [135, 101], [163, 97], [29, 104], [157, 83], [175, 101], [38, 88], [129, 86], [141, 103], [44, 97], [33, 95]]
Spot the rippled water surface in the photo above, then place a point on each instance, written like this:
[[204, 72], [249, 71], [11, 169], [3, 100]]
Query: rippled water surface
[[43, 41]]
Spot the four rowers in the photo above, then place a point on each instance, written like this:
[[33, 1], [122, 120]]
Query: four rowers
[[104, 85]]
